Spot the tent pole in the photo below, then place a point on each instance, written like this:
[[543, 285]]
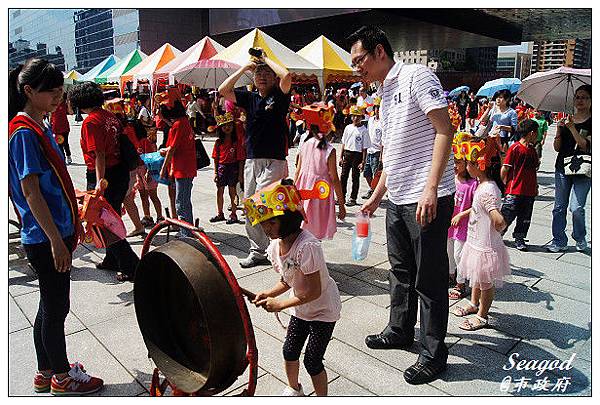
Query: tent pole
[[321, 80], [567, 92]]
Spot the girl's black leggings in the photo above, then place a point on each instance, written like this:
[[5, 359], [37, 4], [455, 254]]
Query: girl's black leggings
[[318, 334], [49, 326]]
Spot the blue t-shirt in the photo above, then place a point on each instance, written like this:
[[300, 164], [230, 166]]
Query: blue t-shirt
[[508, 117], [25, 157], [266, 130]]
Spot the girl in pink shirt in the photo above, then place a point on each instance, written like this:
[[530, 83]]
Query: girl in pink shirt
[[317, 161], [457, 233], [314, 299]]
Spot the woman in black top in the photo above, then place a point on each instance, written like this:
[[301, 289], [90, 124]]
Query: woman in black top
[[573, 137], [461, 104], [473, 105]]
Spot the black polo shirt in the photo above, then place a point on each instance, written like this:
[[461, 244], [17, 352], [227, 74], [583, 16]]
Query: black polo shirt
[[266, 130]]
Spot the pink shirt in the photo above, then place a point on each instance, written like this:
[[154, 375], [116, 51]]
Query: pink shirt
[[306, 257], [229, 106], [463, 199]]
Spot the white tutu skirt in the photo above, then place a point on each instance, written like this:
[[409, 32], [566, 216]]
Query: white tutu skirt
[[484, 267]]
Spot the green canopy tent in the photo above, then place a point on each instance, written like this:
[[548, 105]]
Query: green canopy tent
[[113, 74]]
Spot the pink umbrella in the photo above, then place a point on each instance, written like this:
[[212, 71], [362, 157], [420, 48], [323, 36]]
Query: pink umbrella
[[209, 74]]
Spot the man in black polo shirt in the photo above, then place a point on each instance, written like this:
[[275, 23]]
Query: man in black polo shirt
[[266, 133]]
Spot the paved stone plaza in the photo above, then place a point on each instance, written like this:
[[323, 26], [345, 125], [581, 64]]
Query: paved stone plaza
[[542, 313]]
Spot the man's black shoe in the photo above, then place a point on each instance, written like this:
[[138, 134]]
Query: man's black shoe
[[420, 373], [387, 341]]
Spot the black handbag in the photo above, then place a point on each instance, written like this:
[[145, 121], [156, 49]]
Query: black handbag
[[202, 159], [578, 165]]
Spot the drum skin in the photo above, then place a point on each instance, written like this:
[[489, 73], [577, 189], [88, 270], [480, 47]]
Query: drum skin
[[188, 317]]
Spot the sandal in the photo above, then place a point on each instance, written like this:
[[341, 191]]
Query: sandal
[[136, 232], [218, 218], [148, 222], [464, 311], [123, 277], [473, 324], [233, 219], [457, 293]]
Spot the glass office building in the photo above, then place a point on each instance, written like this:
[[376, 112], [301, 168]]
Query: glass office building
[[72, 38]]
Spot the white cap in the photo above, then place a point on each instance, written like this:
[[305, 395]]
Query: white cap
[[299, 122]]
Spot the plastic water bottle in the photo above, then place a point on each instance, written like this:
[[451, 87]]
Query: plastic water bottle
[[361, 237]]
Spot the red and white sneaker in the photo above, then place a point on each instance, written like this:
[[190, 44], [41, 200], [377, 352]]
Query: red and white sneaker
[[77, 382], [41, 381]]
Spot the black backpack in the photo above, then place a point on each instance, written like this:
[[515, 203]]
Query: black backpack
[[128, 153]]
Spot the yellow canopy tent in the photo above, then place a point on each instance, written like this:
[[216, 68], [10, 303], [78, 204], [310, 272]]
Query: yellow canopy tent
[[238, 53], [333, 61], [72, 75]]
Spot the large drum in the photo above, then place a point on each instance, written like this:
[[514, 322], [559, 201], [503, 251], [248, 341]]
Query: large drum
[[189, 319]]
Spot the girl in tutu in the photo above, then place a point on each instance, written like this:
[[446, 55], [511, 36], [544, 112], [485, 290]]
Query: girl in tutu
[[316, 162], [484, 260]]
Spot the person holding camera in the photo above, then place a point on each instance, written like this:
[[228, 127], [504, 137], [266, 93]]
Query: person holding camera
[[266, 132]]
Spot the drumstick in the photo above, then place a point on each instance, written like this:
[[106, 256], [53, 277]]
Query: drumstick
[[249, 294]]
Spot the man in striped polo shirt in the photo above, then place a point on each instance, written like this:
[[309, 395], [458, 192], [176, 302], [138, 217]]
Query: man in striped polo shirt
[[418, 177]]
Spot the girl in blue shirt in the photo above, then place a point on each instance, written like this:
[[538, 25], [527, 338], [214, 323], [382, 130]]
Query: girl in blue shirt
[[42, 192], [505, 120]]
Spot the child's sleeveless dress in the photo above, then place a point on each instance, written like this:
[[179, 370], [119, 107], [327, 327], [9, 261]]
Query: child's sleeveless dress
[[320, 213], [484, 260]]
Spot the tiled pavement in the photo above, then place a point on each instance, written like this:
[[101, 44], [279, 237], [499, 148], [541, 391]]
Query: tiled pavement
[[543, 312]]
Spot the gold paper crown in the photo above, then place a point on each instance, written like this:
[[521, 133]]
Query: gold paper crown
[[458, 139], [356, 110], [224, 119], [275, 199], [480, 152]]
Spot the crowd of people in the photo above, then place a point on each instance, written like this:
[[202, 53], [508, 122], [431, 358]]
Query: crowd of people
[[444, 222]]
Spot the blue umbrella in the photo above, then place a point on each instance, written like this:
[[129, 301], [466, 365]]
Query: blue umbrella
[[490, 88], [456, 92], [357, 84]]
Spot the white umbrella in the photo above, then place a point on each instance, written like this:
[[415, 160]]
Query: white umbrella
[[209, 73], [554, 90]]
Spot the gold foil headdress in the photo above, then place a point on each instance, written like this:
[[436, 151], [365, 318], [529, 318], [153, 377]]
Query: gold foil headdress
[[277, 198]]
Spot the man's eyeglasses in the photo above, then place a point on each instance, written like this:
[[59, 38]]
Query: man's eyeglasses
[[582, 98], [358, 61]]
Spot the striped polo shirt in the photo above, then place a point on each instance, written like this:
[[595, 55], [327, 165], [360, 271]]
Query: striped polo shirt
[[408, 93]]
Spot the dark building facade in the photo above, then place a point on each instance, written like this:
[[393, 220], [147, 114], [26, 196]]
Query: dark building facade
[[481, 59], [93, 37]]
